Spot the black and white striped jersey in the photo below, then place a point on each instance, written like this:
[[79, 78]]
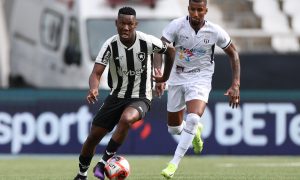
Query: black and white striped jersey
[[130, 69]]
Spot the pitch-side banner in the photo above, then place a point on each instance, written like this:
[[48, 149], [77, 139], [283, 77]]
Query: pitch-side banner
[[57, 122]]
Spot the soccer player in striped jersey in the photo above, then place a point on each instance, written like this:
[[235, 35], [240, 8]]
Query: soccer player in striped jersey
[[129, 55], [189, 84]]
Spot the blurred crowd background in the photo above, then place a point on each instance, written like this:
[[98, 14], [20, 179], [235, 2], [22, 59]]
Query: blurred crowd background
[[256, 27]]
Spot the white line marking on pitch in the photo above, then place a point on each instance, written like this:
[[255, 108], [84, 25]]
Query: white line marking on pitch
[[291, 164]]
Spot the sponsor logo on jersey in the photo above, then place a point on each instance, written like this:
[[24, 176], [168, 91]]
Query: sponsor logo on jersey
[[193, 71], [183, 37], [179, 69], [137, 72]]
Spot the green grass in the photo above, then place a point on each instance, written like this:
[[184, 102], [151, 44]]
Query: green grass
[[149, 167]]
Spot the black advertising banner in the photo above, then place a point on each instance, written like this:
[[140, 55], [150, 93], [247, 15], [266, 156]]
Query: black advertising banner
[[57, 122]]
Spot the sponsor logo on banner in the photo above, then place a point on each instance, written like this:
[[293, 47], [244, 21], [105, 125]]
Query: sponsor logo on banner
[[268, 126]]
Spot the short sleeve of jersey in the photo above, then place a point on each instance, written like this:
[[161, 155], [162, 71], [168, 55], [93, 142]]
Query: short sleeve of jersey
[[104, 54], [169, 31], [223, 40], [158, 46]]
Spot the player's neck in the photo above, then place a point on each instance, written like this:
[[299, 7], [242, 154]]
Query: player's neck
[[197, 27], [128, 44]]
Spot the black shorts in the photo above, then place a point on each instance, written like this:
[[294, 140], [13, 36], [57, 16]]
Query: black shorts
[[111, 110]]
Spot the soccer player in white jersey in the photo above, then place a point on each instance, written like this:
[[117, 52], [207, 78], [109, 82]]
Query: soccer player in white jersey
[[130, 78], [189, 84]]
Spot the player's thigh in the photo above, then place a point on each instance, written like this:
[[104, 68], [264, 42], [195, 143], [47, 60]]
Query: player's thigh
[[176, 101], [195, 106], [136, 110], [196, 97], [176, 105], [109, 113]]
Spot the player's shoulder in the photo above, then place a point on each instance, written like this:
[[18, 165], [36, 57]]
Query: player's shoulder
[[111, 39], [180, 20], [212, 25], [145, 36], [141, 34]]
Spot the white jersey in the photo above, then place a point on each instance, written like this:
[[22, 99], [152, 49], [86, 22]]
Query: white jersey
[[194, 61], [130, 69]]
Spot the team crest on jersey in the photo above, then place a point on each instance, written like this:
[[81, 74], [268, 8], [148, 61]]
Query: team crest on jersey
[[206, 41], [141, 56]]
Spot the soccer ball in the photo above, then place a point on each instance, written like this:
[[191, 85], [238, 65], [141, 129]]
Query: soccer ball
[[117, 168]]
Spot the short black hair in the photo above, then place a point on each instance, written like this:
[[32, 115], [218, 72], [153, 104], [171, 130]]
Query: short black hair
[[127, 11], [205, 1]]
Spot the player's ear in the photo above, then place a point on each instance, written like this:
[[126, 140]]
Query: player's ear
[[116, 22]]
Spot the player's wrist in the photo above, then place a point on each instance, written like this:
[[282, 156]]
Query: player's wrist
[[157, 70], [236, 85]]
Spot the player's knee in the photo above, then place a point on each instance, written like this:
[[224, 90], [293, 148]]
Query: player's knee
[[176, 130], [127, 119], [192, 119], [192, 122], [124, 122]]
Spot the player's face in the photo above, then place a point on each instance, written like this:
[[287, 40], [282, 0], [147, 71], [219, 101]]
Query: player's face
[[126, 25], [197, 12]]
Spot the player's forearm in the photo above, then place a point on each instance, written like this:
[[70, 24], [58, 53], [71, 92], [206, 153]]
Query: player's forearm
[[231, 51], [157, 63], [169, 60], [94, 81], [236, 70], [95, 76]]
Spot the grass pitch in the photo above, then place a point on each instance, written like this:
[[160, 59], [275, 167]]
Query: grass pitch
[[149, 167]]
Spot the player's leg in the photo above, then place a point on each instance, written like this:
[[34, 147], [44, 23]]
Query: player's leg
[[196, 96], [103, 122], [195, 109], [134, 111], [176, 108], [186, 137], [88, 150], [176, 124], [129, 116]]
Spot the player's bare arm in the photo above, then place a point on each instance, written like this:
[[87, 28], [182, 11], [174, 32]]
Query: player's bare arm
[[157, 63], [169, 60], [158, 59], [234, 90], [94, 82], [159, 87]]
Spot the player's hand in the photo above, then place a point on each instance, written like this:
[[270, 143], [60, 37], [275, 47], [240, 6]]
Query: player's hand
[[159, 87], [233, 94], [92, 96], [158, 78]]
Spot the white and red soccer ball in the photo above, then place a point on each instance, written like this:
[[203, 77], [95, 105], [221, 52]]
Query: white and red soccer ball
[[117, 168]]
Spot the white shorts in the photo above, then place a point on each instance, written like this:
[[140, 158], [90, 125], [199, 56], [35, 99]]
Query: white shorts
[[178, 95]]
